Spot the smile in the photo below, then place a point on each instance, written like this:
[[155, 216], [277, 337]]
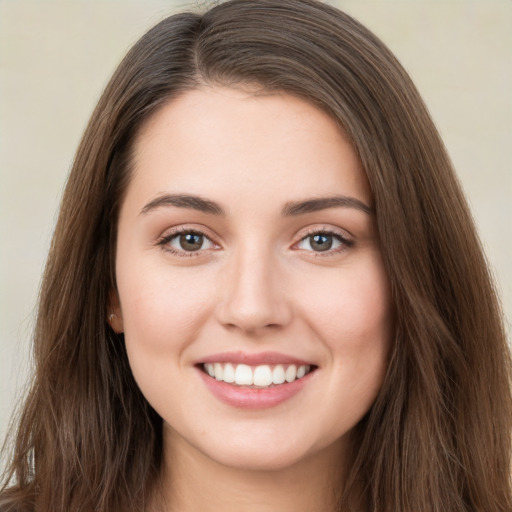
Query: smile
[[261, 376], [256, 380]]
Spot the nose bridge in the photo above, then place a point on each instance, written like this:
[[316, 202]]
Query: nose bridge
[[254, 297]]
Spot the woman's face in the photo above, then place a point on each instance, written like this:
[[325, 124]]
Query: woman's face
[[252, 292]]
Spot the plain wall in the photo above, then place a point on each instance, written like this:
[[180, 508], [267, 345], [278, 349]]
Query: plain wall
[[56, 57]]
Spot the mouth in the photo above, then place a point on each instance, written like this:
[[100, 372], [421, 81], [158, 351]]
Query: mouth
[[256, 381], [263, 376]]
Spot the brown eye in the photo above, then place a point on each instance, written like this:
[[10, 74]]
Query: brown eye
[[187, 242], [191, 241]]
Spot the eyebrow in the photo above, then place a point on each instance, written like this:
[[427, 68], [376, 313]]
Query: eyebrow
[[184, 201], [291, 209], [313, 205]]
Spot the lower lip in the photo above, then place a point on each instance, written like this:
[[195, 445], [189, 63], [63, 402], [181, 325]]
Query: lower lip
[[253, 398]]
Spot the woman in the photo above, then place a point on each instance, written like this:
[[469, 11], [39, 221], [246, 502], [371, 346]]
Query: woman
[[264, 291]]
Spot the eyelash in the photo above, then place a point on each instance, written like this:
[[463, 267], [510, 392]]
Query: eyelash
[[345, 242], [164, 242]]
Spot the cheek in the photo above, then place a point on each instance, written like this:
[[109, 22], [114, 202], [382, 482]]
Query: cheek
[[163, 312], [353, 317], [351, 308], [162, 308]]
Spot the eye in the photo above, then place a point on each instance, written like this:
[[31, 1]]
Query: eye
[[323, 242], [188, 241]]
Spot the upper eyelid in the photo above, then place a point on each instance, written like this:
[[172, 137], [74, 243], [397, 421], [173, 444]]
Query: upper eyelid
[[180, 229], [328, 230]]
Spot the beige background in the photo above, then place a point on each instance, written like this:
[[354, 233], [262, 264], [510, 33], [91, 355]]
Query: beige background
[[56, 56]]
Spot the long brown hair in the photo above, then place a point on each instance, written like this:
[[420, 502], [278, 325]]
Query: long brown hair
[[438, 436]]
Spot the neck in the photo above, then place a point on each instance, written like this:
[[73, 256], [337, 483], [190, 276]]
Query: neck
[[192, 481]]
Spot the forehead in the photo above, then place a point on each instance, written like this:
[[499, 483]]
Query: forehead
[[224, 143]]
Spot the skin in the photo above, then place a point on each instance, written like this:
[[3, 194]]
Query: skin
[[256, 284]]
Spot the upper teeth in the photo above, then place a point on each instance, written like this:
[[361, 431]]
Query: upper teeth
[[262, 376]]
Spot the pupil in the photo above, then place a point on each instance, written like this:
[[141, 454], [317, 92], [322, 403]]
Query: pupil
[[321, 242], [191, 241]]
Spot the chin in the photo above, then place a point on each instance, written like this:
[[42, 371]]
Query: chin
[[255, 453], [257, 460]]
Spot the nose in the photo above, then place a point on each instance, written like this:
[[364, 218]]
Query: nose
[[253, 297]]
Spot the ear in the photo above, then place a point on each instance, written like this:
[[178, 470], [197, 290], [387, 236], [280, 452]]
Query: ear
[[114, 315]]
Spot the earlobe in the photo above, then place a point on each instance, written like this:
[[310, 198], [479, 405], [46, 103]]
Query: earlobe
[[114, 315], [116, 322]]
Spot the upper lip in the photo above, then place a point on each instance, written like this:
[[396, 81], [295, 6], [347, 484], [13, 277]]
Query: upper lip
[[254, 359]]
